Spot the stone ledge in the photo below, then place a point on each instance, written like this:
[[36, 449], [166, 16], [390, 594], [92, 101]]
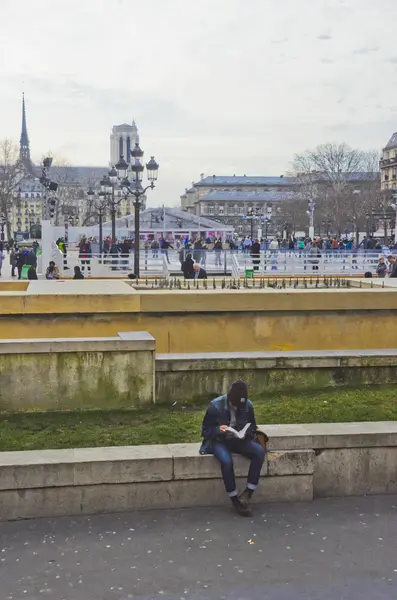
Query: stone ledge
[[124, 342], [76, 500], [314, 359], [331, 435], [133, 464]]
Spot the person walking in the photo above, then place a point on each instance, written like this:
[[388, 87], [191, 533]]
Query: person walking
[[233, 410], [256, 254], [218, 247], [13, 261], [114, 253], [381, 268], [187, 267], [85, 254], [2, 257]]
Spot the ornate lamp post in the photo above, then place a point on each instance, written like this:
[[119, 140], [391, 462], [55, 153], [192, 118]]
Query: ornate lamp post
[[100, 208], [311, 206], [394, 205], [108, 184], [2, 225], [135, 189]]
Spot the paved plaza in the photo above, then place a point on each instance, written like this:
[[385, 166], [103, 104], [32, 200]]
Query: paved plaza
[[334, 549]]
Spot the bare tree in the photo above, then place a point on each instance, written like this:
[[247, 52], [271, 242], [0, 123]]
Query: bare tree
[[344, 181], [12, 173]]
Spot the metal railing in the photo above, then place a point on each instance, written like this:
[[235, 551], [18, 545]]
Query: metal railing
[[271, 262]]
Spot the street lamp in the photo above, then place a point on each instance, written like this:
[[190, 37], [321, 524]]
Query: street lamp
[[2, 225], [252, 214], [394, 205], [311, 206], [100, 208], [137, 190]]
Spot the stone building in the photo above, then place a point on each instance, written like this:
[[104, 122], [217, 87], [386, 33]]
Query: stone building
[[248, 203], [388, 165], [122, 140], [73, 205]]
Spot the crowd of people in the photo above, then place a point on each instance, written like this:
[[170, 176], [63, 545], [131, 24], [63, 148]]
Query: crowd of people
[[23, 260]]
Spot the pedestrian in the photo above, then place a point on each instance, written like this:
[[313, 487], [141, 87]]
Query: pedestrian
[[164, 248], [392, 266], [77, 273], [13, 261], [125, 253], [21, 260], [255, 253], [218, 247], [85, 254], [315, 255], [32, 274], [52, 271], [114, 253], [236, 411], [155, 248], [2, 257], [381, 268], [187, 266]]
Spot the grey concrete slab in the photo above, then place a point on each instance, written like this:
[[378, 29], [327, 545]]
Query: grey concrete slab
[[323, 550]]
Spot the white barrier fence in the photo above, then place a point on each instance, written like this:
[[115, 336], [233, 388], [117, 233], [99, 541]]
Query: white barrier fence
[[164, 264]]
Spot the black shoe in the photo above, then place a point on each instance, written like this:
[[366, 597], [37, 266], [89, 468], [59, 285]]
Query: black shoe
[[245, 497], [243, 511]]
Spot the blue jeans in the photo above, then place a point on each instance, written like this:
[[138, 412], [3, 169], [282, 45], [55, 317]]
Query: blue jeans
[[248, 448]]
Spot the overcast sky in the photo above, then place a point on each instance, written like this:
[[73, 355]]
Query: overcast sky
[[215, 86]]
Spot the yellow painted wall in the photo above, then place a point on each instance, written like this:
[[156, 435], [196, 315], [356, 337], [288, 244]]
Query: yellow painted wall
[[205, 320], [222, 331]]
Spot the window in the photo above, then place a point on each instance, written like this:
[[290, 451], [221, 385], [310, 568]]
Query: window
[[121, 151], [221, 209], [241, 209], [212, 210], [230, 209], [394, 174]]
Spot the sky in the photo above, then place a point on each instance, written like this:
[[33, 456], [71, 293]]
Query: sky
[[215, 86]]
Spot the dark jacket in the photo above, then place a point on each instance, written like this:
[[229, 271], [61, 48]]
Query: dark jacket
[[85, 250], [218, 413], [255, 249], [31, 259], [394, 270], [187, 267], [381, 269], [202, 274]]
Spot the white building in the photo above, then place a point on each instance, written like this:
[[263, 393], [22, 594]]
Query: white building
[[122, 140]]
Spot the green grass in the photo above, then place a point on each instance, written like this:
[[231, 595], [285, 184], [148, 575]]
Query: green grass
[[164, 425]]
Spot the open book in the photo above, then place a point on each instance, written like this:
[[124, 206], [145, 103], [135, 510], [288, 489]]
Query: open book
[[239, 434]]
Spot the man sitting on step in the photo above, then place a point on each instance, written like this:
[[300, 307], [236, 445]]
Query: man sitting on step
[[226, 417]]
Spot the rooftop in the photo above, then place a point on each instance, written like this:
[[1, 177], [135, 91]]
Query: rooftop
[[253, 180], [392, 143], [253, 196]]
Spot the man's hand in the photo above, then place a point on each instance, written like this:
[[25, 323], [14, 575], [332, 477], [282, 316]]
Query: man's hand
[[223, 428]]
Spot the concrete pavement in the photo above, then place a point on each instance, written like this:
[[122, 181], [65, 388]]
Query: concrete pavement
[[323, 550]]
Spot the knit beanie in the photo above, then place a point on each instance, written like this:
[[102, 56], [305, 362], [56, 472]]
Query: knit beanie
[[238, 394]]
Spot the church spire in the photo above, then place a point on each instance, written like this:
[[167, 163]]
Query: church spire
[[24, 151]]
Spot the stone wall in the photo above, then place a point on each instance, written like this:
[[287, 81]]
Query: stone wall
[[71, 374], [194, 378], [212, 320], [304, 462]]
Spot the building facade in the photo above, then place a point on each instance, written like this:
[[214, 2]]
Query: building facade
[[250, 204], [388, 165], [73, 205], [122, 140]]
